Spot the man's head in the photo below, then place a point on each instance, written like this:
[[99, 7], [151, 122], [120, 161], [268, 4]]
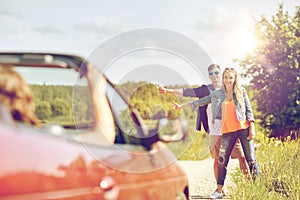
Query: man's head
[[214, 73]]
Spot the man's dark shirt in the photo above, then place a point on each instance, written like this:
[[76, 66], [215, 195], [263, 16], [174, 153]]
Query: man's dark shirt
[[200, 92]]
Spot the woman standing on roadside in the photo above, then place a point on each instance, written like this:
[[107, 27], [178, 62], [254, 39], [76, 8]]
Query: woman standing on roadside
[[232, 104]]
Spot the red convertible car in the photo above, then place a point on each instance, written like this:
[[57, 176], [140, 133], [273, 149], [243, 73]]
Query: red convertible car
[[64, 158]]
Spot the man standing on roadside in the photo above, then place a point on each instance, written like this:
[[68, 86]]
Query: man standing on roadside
[[204, 117]]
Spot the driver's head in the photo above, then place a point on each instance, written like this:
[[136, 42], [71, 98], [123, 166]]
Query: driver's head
[[16, 96]]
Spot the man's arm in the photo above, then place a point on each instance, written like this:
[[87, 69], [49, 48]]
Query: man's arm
[[194, 104], [164, 90], [199, 92]]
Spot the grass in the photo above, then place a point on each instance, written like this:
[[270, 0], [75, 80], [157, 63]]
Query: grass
[[194, 148], [279, 164]]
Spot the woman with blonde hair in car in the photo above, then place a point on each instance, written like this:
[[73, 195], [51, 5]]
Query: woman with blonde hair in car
[[17, 97]]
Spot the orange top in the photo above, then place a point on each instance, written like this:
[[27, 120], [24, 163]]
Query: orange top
[[230, 121]]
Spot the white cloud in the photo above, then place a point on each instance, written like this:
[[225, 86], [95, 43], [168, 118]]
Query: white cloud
[[221, 19], [47, 29], [8, 14], [95, 28], [82, 25]]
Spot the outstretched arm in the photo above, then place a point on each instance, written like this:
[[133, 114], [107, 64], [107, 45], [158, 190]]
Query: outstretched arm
[[103, 113], [164, 90], [177, 106], [193, 104]]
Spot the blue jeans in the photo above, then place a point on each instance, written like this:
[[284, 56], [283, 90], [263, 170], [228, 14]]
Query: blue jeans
[[227, 144]]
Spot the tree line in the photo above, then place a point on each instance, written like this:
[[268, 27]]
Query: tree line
[[62, 104], [146, 99]]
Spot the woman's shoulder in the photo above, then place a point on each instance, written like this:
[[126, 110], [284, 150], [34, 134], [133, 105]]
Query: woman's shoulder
[[218, 93]]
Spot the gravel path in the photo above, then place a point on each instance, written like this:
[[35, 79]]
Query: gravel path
[[201, 178]]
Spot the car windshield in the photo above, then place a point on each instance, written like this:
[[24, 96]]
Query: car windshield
[[63, 101], [61, 96], [121, 112]]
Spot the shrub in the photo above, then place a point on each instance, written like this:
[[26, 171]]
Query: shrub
[[279, 172]]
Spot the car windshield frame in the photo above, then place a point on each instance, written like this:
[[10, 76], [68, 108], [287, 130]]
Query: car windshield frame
[[70, 62]]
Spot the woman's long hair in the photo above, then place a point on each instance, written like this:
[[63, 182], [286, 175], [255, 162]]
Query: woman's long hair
[[16, 96], [236, 87]]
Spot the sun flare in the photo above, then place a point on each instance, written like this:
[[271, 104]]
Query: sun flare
[[246, 42]]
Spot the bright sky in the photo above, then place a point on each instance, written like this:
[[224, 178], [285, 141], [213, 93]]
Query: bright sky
[[223, 28]]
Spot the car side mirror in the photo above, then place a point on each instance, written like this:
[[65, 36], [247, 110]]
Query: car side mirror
[[172, 130], [167, 130]]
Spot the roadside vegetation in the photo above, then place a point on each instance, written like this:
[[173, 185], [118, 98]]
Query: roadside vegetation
[[273, 67], [273, 70], [279, 172]]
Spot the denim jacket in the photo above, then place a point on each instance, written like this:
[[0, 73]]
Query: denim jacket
[[217, 97]]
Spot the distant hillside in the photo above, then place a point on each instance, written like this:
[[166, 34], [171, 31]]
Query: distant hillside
[[149, 102]]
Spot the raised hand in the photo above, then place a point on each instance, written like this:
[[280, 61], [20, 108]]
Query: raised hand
[[161, 89], [176, 106]]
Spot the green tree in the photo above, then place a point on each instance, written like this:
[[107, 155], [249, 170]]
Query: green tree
[[80, 112], [273, 67], [43, 110], [61, 107], [150, 104]]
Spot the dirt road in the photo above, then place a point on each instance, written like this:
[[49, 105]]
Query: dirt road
[[201, 177]]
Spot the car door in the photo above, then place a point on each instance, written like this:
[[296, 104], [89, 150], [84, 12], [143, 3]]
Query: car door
[[60, 160]]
